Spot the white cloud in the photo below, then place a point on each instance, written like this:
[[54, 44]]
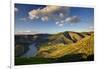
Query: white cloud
[[68, 19], [62, 21], [57, 22], [45, 18], [42, 12], [48, 11], [61, 15], [91, 27], [60, 25], [16, 9], [26, 32], [72, 19], [23, 19], [45, 10], [33, 17]]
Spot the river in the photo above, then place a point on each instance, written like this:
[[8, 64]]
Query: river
[[31, 52]]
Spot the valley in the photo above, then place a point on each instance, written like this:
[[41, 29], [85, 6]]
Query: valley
[[65, 46]]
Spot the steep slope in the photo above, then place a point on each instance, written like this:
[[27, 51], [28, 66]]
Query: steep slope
[[59, 38], [84, 46], [22, 42], [67, 37], [55, 48], [74, 36]]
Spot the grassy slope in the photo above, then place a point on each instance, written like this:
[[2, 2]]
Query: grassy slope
[[83, 46], [63, 38], [83, 49]]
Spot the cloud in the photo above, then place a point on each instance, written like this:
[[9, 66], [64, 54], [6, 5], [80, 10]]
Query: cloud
[[69, 20], [45, 18], [62, 21], [57, 22], [72, 19], [51, 12], [60, 25], [33, 14], [16, 9], [91, 27], [26, 32], [60, 15], [23, 19], [45, 10]]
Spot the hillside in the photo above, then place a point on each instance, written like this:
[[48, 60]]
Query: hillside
[[84, 46], [65, 46]]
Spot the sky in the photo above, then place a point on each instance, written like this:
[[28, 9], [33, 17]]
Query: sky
[[31, 18]]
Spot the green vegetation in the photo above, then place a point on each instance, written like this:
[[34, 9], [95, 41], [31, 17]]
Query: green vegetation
[[85, 46], [61, 47]]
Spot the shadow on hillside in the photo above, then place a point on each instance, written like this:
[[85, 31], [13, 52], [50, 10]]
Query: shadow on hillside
[[67, 58], [76, 58]]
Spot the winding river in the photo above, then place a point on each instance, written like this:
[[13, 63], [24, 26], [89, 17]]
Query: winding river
[[31, 52]]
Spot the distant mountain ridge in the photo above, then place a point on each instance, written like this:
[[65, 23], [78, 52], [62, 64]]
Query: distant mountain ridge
[[73, 36]]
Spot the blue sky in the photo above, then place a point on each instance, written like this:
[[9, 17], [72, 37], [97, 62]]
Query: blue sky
[[52, 19]]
